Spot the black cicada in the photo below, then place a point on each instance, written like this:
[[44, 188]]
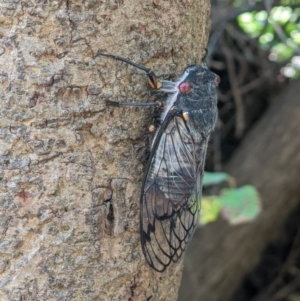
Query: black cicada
[[172, 186]]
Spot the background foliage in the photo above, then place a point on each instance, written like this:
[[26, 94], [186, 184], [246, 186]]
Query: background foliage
[[255, 48]]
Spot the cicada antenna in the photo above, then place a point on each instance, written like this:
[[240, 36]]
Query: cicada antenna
[[152, 79]]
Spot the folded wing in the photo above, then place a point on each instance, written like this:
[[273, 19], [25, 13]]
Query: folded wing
[[171, 194]]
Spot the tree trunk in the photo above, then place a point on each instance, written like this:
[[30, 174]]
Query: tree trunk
[[269, 158], [71, 168]]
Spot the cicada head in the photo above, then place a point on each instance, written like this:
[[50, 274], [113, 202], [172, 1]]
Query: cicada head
[[198, 77], [197, 97]]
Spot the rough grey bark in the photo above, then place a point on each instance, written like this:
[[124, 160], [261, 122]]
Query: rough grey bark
[[269, 158], [70, 168]]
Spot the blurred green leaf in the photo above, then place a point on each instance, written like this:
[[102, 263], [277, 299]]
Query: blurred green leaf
[[266, 38], [252, 22], [213, 178], [237, 3], [240, 205], [269, 29], [210, 209], [280, 14], [295, 34], [283, 51], [261, 16], [289, 2], [283, 42], [294, 297], [290, 27]]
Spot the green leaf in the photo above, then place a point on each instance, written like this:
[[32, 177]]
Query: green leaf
[[260, 25], [280, 14], [210, 209], [266, 38], [293, 297], [213, 178], [240, 205], [283, 51], [296, 36], [251, 22], [290, 27]]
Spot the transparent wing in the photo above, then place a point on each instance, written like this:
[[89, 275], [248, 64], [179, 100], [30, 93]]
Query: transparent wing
[[172, 188]]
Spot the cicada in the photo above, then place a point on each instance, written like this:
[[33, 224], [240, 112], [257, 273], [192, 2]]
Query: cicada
[[172, 185]]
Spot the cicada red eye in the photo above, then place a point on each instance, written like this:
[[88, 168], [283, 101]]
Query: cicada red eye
[[218, 79], [184, 87]]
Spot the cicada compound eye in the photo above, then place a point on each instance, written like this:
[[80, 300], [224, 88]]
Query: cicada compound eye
[[184, 87], [218, 79]]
